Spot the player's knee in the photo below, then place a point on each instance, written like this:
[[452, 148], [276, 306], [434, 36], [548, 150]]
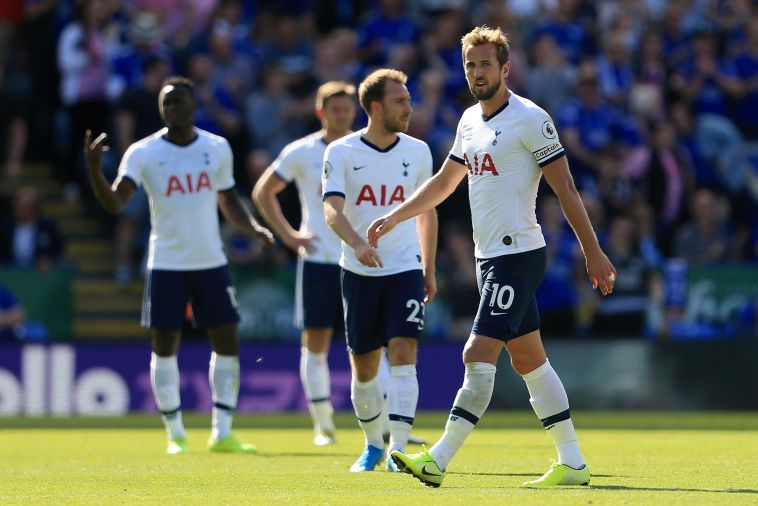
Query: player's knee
[[402, 351], [524, 362]]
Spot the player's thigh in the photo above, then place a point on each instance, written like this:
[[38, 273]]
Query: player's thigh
[[214, 299], [362, 301], [165, 299], [403, 305], [318, 298], [507, 307]]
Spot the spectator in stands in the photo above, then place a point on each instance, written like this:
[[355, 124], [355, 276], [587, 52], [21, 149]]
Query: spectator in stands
[[11, 315], [15, 104], [615, 71], [144, 44], [29, 240], [662, 176], [384, 28], [589, 126], [85, 49], [637, 286], [550, 80], [216, 110], [705, 240], [569, 33], [746, 64], [557, 296], [705, 80]]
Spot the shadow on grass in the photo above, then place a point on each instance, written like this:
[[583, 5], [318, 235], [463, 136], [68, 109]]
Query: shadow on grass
[[302, 454], [526, 475], [678, 489]]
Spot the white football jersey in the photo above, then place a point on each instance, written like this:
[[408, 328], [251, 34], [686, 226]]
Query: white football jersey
[[301, 161], [373, 181], [504, 154], [182, 183]]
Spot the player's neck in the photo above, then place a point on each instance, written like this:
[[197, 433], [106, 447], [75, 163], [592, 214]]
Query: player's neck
[[181, 136], [378, 135], [332, 135], [490, 106]]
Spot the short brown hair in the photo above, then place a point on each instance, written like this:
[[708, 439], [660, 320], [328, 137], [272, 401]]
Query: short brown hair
[[333, 89], [372, 88], [486, 35]]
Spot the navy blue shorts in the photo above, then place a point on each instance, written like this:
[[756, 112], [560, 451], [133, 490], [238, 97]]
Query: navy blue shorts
[[210, 291], [507, 284], [318, 299], [378, 308]]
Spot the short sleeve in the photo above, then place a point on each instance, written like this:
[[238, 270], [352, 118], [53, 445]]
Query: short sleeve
[[226, 167], [456, 152], [539, 136], [286, 166], [130, 167], [333, 176], [427, 166]]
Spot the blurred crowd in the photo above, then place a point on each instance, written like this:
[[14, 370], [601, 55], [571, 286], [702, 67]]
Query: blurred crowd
[[656, 102]]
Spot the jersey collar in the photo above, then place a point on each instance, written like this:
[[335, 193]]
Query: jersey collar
[[374, 146], [500, 109]]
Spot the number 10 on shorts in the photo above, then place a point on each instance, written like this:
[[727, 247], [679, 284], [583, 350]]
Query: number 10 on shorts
[[498, 294]]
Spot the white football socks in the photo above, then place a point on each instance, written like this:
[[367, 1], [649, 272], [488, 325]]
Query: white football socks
[[367, 403], [402, 401], [385, 379], [550, 403], [224, 376], [470, 403], [164, 378], [314, 373]]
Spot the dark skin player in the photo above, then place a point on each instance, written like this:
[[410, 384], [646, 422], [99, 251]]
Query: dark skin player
[[177, 108]]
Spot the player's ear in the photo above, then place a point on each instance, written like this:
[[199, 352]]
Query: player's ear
[[320, 113]]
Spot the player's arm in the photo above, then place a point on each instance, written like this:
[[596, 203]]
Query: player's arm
[[599, 268], [113, 199], [334, 215], [435, 190], [240, 216], [264, 197], [427, 226]]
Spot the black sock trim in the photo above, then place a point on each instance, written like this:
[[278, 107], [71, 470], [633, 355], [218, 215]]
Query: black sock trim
[[466, 415], [320, 399], [400, 418], [172, 412], [552, 420], [218, 405], [369, 419]]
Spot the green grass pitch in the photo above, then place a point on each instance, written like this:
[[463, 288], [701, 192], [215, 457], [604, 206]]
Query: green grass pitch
[[636, 458]]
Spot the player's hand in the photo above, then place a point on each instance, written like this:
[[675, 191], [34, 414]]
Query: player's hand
[[378, 228], [602, 273], [368, 256], [93, 150], [430, 287], [298, 241], [266, 238]]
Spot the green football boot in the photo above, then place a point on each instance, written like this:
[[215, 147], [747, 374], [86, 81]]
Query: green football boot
[[421, 465], [177, 445], [231, 444], [561, 474]]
